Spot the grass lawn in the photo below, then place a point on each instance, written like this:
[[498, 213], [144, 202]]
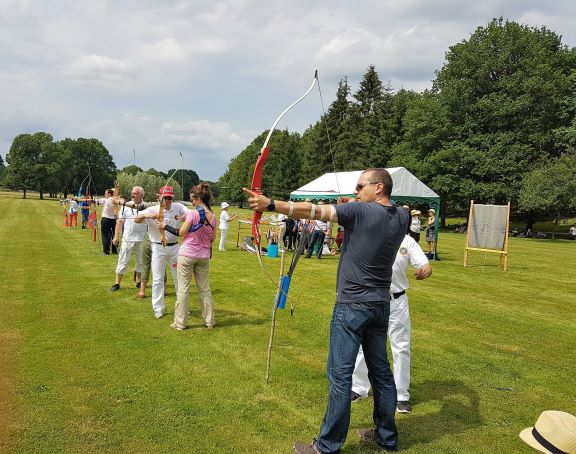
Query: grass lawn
[[85, 370]]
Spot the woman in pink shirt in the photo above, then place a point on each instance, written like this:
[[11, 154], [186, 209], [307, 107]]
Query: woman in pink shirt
[[198, 232]]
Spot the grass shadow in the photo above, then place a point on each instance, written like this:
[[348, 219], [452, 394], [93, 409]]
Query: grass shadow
[[441, 408]]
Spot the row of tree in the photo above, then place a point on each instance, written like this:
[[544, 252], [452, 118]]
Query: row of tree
[[72, 166], [499, 117]]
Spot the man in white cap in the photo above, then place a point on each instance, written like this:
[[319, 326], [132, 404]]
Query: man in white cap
[[162, 254], [225, 220]]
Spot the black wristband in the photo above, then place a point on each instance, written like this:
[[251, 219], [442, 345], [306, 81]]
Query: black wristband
[[271, 206], [172, 230]]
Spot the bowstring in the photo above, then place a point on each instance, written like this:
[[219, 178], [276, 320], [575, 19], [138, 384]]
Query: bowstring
[[330, 149]]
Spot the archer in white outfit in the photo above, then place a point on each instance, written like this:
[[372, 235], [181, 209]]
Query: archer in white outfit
[[162, 256], [398, 325], [225, 220], [132, 235]]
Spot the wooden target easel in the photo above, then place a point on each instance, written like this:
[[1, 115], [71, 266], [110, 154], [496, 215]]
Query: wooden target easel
[[477, 236]]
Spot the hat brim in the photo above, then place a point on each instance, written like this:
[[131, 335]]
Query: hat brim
[[528, 438]]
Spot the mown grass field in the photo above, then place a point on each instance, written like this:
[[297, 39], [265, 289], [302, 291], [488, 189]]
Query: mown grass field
[[85, 370]]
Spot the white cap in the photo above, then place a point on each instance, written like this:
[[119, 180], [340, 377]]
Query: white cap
[[224, 205]]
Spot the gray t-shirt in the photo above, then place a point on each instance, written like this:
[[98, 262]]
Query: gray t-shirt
[[372, 235]]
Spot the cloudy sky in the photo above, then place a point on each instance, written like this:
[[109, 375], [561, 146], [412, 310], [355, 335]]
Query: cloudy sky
[[205, 77]]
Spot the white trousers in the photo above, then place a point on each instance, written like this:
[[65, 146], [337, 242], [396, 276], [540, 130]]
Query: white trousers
[[125, 254], [160, 258], [223, 235], [399, 338]]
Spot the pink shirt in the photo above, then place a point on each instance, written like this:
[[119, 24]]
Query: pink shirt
[[198, 244]]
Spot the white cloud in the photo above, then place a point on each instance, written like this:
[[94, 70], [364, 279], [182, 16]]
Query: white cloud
[[202, 134], [100, 69], [166, 49]]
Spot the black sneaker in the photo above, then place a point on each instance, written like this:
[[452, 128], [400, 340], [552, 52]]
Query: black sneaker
[[355, 397], [138, 284], [404, 407], [368, 436], [115, 288]]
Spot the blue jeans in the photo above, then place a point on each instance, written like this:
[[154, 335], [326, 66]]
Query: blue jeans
[[317, 237], [353, 325]]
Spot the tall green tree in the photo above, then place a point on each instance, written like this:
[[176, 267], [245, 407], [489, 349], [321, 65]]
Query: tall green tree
[[28, 163], [551, 189], [319, 143], [364, 123], [59, 164], [90, 157], [507, 90]]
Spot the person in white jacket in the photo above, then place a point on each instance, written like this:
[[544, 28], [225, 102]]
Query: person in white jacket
[[225, 220], [398, 326]]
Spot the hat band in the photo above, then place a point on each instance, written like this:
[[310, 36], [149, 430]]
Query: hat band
[[549, 446]]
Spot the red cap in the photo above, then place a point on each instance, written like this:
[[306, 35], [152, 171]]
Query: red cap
[[166, 191]]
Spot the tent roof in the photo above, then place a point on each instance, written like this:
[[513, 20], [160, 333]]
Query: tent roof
[[406, 187]]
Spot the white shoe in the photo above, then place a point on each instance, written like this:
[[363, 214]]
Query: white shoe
[[178, 327], [158, 314]]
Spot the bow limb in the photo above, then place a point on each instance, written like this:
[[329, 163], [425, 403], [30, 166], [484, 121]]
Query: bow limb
[[256, 185]]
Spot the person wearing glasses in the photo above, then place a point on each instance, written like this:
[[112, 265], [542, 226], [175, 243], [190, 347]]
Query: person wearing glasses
[[132, 235], [162, 254], [374, 229]]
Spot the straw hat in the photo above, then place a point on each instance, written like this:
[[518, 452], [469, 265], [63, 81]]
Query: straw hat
[[555, 431], [415, 213], [432, 210]]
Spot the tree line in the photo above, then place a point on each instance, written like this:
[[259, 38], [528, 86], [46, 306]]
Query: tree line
[[80, 166], [498, 125]]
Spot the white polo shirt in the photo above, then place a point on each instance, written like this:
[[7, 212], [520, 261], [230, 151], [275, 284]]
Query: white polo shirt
[[132, 231], [409, 252], [177, 209]]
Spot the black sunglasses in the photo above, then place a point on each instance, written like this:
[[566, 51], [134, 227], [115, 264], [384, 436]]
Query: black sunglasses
[[168, 197], [359, 186]]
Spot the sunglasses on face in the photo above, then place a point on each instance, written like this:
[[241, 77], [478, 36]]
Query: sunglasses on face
[[361, 186], [168, 197]]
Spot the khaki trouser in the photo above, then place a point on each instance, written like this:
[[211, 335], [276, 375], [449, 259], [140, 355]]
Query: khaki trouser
[[200, 268]]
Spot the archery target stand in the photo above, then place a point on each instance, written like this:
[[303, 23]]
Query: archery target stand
[[488, 227]]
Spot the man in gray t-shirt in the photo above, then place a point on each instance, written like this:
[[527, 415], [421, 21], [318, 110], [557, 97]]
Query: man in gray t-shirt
[[372, 235], [373, 232]]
